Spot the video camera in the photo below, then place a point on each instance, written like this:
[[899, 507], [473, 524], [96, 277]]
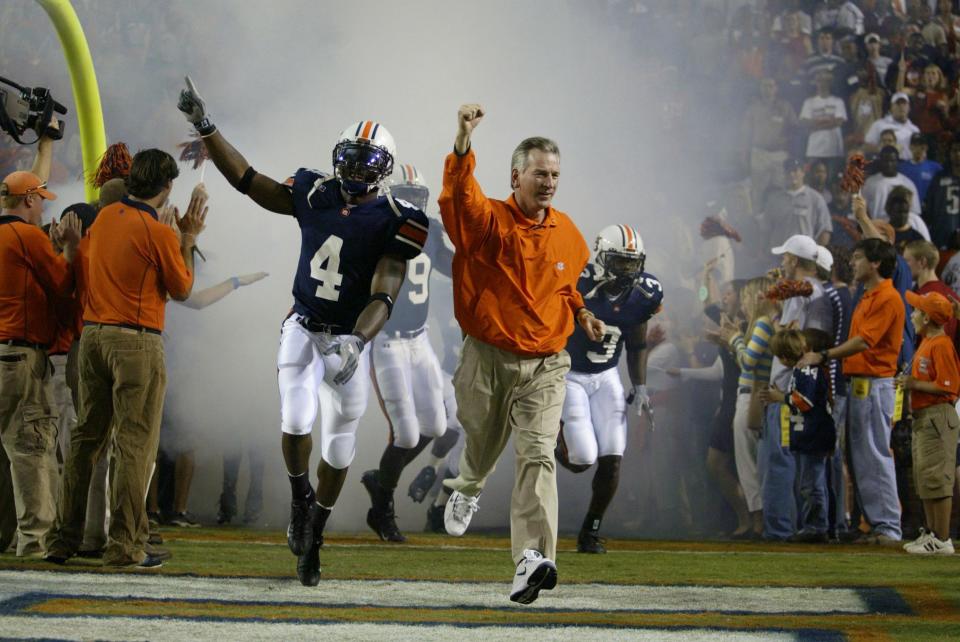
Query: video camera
[[22, 108]]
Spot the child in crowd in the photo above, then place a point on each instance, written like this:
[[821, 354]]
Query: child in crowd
[[934, 384], [808, 426]]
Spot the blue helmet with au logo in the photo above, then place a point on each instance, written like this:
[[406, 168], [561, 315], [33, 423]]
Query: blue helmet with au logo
[[363, 157]]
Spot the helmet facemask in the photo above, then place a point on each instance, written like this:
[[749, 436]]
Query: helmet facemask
[[361, 167], [622, 268]]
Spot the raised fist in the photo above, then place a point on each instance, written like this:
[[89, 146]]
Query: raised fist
[[469, 117]]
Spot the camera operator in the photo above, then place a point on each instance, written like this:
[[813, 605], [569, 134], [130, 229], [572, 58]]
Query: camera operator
[[31, 276]]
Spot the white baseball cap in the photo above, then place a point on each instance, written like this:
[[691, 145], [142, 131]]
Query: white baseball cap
[[801, 246], [824, 258], [899, 96]]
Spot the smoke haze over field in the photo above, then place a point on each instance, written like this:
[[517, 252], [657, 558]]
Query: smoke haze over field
[[282, 79]]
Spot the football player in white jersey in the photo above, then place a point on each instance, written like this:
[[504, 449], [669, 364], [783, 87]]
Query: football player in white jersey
[[618, 292], [406, 373]]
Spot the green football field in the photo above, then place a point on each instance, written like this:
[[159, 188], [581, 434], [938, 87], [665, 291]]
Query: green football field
[[241, 584]]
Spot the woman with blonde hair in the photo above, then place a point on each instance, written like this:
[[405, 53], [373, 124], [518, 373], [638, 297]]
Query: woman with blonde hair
[[753, 354]]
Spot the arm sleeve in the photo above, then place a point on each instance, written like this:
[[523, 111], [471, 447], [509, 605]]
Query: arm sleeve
[[842, 111], [757, 346], [51, 270], [711, 373], [409, 235], [176, 279], [873, 133], [466, 212], [805, 111]]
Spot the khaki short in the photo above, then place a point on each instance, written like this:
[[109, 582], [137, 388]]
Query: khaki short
[[935, 430]]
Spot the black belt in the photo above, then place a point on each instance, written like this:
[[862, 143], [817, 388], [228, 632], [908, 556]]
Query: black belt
[[326, 328], [22, 343], [125, 326], [405, 334]]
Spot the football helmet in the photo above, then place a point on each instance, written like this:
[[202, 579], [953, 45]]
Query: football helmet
[[363, 157], [407, 183], [619, 254]]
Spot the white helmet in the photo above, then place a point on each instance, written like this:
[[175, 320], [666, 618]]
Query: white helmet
[[619, 253], [363, 156], [407, 183]]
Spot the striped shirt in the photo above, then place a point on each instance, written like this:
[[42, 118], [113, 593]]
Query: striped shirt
[[841, 327], [754, 354]]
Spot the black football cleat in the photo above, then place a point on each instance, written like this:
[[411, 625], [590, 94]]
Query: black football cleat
[[435, 519], [384, 524], [589, 541], [308, 564], [300, 529], [422, 484]]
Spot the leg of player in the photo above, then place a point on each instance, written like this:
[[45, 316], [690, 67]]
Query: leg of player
[[427, 476], [299, 373], [605, 482]]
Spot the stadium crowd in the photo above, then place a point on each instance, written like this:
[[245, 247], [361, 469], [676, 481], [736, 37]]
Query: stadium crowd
[[816, 390]]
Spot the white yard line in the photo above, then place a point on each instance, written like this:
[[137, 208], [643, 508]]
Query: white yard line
[[423, 594]]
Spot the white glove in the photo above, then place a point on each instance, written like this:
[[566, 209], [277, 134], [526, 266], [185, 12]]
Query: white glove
[[639, 399], [349, 350], [195, 110]]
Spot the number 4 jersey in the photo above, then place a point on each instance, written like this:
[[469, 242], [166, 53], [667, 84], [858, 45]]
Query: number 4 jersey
[[341, 245], [635, 308]]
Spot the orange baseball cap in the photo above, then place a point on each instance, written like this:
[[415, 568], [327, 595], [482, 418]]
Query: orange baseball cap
[[933, 304], [26, 183]]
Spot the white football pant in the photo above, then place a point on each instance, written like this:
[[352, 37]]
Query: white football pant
[[594, 416]]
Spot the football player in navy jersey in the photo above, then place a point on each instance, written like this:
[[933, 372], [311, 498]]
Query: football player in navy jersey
[[406, 372], [618, 292], [354, 249]]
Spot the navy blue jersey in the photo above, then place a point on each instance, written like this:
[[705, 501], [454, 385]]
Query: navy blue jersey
[[811, 406], [620, 316], [413, 303], [341, 245]]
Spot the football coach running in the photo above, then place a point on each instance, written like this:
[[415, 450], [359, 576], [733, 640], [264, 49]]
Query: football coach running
[[515, 274]]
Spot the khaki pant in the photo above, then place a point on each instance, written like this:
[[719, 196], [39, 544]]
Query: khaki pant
[[122, 383], [499, 393], [28, 432]]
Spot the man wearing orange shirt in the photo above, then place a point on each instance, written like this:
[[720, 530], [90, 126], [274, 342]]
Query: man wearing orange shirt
[[31, 276], [934, 382], [515, 274], [870, 361], [134, 263]]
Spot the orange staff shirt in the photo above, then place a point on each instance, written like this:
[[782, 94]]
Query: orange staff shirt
[[878, 319], [936, 361], [134, 262], [515, 281], [31, 276]]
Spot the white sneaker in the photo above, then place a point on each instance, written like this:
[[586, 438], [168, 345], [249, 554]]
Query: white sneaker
[[920, 541], [933, 546], [534, 572], [458, 513]]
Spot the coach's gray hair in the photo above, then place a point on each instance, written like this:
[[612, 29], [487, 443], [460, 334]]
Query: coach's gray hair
[[522, 153]]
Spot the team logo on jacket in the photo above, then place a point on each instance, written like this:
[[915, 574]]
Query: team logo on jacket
[[560, 266], [345, 211]]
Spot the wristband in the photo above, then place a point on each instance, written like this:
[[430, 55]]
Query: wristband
[[825, 356], [204, 127], [386, 298], [243, 186], [235, 281]]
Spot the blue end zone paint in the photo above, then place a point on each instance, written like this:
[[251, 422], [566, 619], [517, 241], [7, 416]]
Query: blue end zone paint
[[884, 600]]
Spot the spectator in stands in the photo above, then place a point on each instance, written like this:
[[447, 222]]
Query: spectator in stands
[[942, 206], [824, 59], [897, 209], [812, 434], [794, 46], [753, 354], [799, 255], [798, 209], [870, 358], [923, 258], [767, 128], [877, 187], [850, 18], [823, 114], [880, 62], [897, 121], [934, 383], [866, 106], [919, 168], [818, 178], [930, 102]]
